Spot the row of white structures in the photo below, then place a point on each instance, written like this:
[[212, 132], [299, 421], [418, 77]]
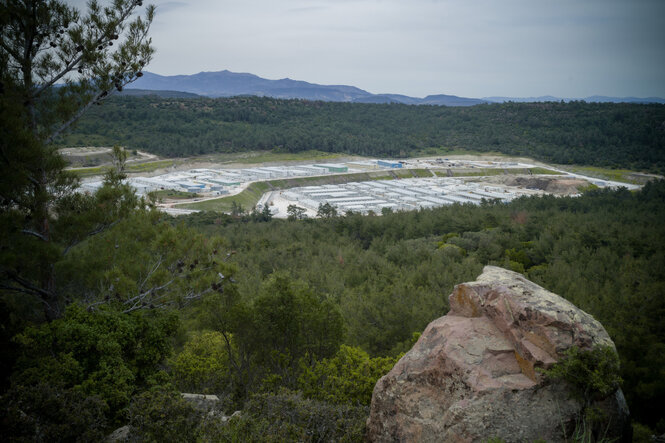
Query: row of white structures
[[399, 195], [217, 181]]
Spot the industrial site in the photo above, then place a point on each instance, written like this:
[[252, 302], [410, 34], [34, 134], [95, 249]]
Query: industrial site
[[385, 185], [395, 195], [215, 182]]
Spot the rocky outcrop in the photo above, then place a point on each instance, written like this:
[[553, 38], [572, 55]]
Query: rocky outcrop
[[202, 402], [121, 434], [473, 374]]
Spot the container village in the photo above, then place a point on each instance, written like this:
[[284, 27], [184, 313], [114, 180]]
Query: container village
[[440, 186]]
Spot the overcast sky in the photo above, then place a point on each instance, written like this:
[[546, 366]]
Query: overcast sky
[[472, 48]]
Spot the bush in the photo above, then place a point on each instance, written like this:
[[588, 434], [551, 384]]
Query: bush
[[105, 353], [290, 319], [641, 433], [49, 413], [348, 377], [290, 417], [162, 415], [592, 374], [203, 364]]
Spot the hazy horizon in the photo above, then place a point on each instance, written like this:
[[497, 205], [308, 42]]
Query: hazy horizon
[[133, 86]]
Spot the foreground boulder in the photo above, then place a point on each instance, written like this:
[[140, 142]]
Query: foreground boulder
[[472, 375]]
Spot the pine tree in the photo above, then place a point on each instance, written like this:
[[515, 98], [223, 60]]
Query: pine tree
[[55, 63]]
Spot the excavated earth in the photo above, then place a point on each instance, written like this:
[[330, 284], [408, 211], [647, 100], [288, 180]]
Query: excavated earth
[[550, 184]]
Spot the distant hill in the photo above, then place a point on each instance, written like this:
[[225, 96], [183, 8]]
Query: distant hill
[[230, 84], [451, 100], [603, 99], [132, 92], [591, 99], [544, 98]]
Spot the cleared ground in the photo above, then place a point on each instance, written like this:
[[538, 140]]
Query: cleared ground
[[247, 195], [251, 195]]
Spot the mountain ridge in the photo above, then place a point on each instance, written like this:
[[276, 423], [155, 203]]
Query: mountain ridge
[[228, 84]]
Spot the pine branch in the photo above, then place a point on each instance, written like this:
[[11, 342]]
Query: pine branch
[[35, 234]]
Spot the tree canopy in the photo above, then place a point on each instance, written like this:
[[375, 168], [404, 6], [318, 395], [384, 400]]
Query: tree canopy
[[601, 134], [56, 62]]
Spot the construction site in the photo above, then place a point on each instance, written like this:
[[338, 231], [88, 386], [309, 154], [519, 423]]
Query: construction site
[[215, 182], [363, 185], [395, 195]]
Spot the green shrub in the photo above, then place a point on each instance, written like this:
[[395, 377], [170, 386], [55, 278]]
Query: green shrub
[[592, 374], [248, 429], [105, 353], [161, 415], [45, 412], [288, 417], [203, 364], [348, 377], [641, 433]]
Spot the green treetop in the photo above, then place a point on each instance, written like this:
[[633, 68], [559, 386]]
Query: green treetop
[[55, 63]]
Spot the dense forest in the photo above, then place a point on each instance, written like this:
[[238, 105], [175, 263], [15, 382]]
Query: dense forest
[[304, 316], [600, 134], [391, 275]]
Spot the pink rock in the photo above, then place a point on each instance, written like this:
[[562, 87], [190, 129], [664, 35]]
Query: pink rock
[[473, 374]]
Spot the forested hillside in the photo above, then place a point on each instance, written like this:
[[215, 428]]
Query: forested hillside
[[601, 134], [390, 275], [298, 319]]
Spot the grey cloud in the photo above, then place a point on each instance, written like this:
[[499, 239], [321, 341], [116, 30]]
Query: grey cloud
[[170, 6], [420, 47]]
